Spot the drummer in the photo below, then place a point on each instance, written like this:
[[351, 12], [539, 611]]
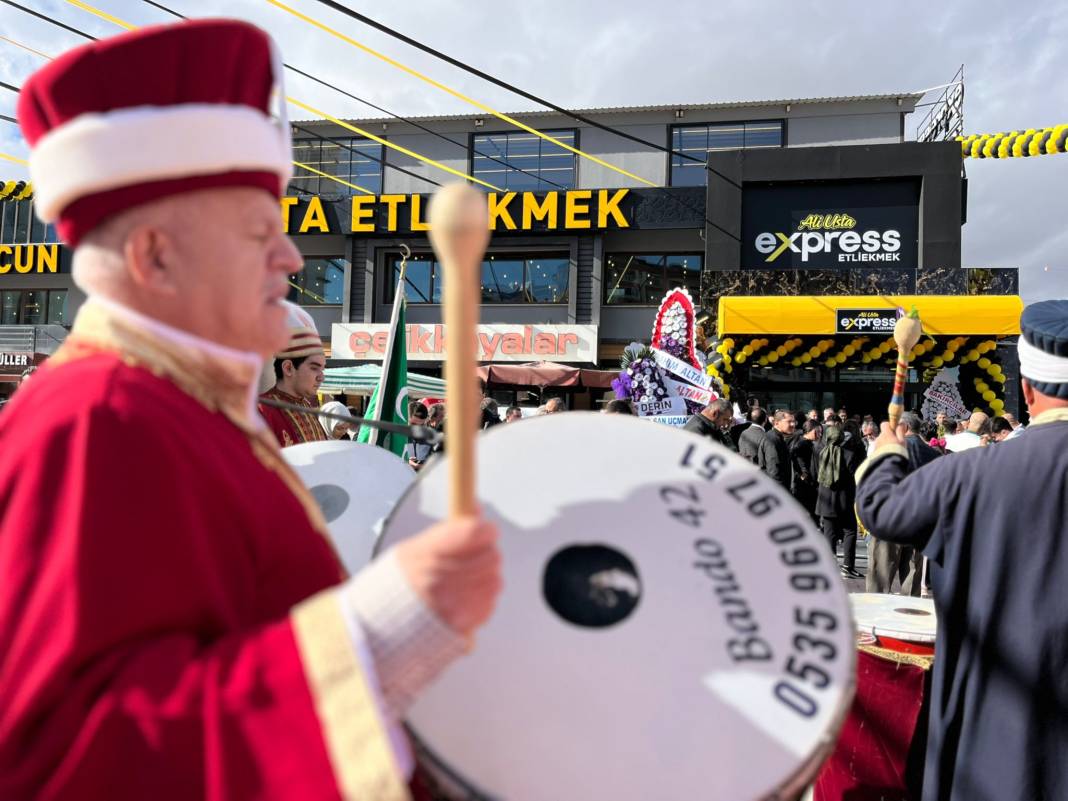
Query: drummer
[[174, 623], [992, 522]]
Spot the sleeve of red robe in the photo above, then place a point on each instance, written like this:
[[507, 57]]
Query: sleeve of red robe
[[125, 668]]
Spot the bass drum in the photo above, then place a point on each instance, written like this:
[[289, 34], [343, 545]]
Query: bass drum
[[671, 624], [356, 487]]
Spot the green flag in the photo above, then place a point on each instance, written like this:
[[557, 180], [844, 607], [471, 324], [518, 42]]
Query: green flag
[[389, 400]]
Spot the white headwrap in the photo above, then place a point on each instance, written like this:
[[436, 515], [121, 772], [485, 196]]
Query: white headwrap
[[1037, 365]]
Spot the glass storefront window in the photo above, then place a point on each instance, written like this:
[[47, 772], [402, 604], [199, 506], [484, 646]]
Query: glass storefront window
[[505, 278], [699, 140], [524, 162], [24, 213], [320, 283], [32, 308], [10, 313], [355, 160], [642, 279], [57, 307]]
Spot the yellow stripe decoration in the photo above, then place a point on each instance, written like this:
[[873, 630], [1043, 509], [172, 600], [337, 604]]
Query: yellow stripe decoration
[[1015, 144], [14, 159], [449, 90]]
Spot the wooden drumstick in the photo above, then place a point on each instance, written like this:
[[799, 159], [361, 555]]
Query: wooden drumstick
[[459, 233], [907, 332]]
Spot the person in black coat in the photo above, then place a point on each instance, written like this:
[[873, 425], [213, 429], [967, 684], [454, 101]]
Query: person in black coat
[[833, 464], [753, 437], [803, 487], [713, 422], [774, 454]]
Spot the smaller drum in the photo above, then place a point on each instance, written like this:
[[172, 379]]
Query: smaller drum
[[356, 487], [896, 622]]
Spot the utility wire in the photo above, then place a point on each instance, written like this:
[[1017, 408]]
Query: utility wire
[[449, 90], [290, 99], [386, 111], [57, 23]]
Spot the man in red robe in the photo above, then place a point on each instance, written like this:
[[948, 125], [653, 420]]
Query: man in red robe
[[174, 621], [298, 371]]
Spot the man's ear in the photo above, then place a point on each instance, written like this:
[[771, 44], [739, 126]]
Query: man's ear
[[1028, 392], [287, 367], [151, 258]]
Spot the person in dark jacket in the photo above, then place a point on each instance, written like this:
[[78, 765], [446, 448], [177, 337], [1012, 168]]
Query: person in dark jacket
[[774, 454], [992, 523], [753, 437], [713, 422], [803, 487], [887, 559], [833, 465]]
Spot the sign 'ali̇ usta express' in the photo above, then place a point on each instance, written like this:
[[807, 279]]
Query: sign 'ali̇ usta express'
[[831, 225]]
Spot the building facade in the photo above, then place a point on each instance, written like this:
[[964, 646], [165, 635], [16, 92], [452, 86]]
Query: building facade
[[583, 249]]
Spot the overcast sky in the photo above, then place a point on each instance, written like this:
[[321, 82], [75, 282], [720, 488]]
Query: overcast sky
[[599, 53]]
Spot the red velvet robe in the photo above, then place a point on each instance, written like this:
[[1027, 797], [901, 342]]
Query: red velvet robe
[[291, 428], [154, 553]]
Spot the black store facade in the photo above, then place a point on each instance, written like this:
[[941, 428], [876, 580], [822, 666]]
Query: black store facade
[[862, 229], [811, 253]]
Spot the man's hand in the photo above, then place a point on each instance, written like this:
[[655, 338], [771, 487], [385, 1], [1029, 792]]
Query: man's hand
[[455, 568], [887, 436]]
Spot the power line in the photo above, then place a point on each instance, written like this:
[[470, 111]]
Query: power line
[[290, 99], [392, 114], [449, 90], [49, 19], [497, 81]]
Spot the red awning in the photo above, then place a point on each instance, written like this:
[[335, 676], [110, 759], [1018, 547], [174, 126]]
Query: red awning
[[545, 374]]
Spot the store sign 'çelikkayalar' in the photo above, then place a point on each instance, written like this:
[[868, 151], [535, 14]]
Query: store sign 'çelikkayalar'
[[496, 342]]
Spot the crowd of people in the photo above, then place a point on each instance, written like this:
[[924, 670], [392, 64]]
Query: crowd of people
[[816, 457]]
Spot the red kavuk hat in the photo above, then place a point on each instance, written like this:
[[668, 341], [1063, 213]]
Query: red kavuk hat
[[151, 113]]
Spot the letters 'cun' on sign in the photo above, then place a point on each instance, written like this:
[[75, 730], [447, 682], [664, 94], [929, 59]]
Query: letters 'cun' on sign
[[579, 209]]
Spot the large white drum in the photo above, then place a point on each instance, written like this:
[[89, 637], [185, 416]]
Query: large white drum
[[356, 487], [897, 622], [671, 625]]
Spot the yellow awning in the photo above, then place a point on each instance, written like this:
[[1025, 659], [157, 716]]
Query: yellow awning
[[942, 315]]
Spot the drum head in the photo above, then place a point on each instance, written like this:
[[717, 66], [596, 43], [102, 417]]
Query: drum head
[[900, 617], [671, 624], [356, 487]]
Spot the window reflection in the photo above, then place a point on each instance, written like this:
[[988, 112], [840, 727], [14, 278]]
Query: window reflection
[[524, 162], [643, 279], [505, 278], [320, 283], [699, 140], [354, 160]]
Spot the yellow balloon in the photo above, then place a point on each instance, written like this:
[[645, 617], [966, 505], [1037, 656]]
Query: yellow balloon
[[795, 362], [952, 345], [729, 343], [773, 357], [840, 358], [997, 407], [973, 354], [936, 362], [849, 350], [806, 358], [763, 360], [781, 350], [948, 355], [741, 357], [748, 350], [830, 363], [984, 363], [989, 396], [866, 359]]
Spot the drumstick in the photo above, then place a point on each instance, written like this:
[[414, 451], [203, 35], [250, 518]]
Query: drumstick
[[907, 332], [459, 233]]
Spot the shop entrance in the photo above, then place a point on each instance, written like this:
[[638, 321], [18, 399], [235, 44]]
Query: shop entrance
[[862, 391]]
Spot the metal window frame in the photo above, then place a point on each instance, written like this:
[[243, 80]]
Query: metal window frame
[[551, 131], [673, 126], [607, 254]]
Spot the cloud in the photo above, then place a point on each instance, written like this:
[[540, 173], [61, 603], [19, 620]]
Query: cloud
[[600, 53]]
